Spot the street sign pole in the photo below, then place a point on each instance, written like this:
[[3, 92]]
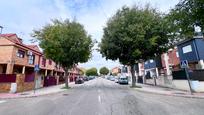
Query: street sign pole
[[184, 64], [188, 78], [35, 82], [36, 69]]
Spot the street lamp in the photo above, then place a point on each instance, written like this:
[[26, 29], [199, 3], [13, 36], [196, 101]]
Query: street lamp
[[1, 28]]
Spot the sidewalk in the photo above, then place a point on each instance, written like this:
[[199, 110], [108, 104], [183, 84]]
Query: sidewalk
[[38, 92], [167, 91]]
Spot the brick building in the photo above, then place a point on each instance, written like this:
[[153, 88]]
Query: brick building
[[18, 58], [170, 61]]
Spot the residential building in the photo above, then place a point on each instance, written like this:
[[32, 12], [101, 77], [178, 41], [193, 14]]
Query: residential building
[[153, 67], [192, 50], [116, 70], [170, 61]]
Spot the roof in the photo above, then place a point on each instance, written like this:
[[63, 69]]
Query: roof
[[7, 35], [15, 39], [35, 47], [187, 40]]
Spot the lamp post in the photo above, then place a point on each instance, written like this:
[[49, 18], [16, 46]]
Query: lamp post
[[1, 28]]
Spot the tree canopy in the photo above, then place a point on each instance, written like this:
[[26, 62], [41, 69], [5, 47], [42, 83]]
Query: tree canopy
[[92, 72], [65, 42], [133, 34], [104, 71], [186, 15]]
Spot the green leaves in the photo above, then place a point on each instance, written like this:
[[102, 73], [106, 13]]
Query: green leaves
[[65, 42], [91, 72], [184, 17], [104, 71], [133, 34]]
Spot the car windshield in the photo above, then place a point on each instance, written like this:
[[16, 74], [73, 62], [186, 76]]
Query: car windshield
[[101, 57]]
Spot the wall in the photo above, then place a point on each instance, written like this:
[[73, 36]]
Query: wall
[[21, 85], [5, 87], [6, 54], [200, 48], [190, 56], [197, 86]]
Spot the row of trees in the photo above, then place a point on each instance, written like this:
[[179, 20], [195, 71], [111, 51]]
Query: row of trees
[[93, 71], [137, 34], [131, 35]]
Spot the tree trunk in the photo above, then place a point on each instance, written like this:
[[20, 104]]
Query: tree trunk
[[133, 76], [66, 79]]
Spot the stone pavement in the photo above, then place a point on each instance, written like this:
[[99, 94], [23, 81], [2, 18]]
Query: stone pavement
[[38, 92], [168, 91]]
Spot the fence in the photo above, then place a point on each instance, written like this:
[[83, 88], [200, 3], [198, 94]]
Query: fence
[[7, 78], [30, 77], [194, 75], [49, 81]]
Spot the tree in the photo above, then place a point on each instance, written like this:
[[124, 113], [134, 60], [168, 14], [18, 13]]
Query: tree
[[186, 15], [133, 34], [65, 42], [92, 72], [104, 71]]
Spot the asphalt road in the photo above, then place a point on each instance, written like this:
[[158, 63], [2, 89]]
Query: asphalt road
[[102, 97]]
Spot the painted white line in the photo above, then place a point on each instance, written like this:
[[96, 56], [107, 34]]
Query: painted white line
[[2, 101], [99, 99]]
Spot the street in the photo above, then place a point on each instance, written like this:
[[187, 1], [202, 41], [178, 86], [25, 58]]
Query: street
[[102, 97]]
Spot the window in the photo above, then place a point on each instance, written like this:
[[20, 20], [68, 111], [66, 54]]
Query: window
[[187, 49], [31, 59], [50, 62], [44, 62], [20, 54]]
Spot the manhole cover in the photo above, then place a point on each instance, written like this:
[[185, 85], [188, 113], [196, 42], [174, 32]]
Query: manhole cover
[[65, 94]]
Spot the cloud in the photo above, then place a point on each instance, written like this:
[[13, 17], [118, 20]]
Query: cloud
[[22, 16]]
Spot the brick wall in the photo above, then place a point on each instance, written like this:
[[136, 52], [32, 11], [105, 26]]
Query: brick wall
[[5, 87], [21, 85], [6, 54]]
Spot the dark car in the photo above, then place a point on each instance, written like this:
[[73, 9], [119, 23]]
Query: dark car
[[79, 80], [85, 78]]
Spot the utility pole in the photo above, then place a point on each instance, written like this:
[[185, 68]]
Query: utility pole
[[184, 64]]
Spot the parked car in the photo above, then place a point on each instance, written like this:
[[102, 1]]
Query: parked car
[[79, 80], [91, 77], [112, 78], [85, 78], [116, 79], [123, 80]]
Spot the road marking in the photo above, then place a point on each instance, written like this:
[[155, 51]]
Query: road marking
[[99, 99], [2, 101]]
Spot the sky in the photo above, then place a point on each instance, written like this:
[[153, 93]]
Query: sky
[[24, 16]]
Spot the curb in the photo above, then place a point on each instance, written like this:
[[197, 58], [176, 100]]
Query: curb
[[175, 95], [32, 96]]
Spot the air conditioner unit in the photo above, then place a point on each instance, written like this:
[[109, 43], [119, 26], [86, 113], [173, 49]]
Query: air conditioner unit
[[29, 53]]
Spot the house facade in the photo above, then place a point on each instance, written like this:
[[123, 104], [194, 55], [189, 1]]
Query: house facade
[[192, 50], [17, 57]]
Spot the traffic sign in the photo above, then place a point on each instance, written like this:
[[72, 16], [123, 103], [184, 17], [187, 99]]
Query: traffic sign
[[36, 68], [184, 64]]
